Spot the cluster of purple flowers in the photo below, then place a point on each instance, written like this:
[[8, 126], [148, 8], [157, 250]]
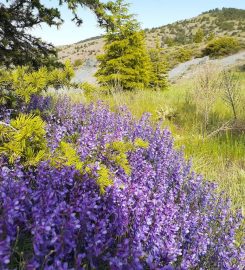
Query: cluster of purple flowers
[[161, 216], [38, 102]]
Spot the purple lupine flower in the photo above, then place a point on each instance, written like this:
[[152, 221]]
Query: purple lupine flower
[[161, 216]]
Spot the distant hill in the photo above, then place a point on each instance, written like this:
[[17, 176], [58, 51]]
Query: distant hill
[[227, 21], [180, 39]]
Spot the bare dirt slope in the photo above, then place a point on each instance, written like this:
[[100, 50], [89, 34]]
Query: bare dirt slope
[[187, 69]]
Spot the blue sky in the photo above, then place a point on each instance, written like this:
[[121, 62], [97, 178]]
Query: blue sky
[[150, 13]]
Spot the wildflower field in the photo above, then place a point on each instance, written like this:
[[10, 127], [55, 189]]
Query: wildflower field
[[138, 171], [108, 191]]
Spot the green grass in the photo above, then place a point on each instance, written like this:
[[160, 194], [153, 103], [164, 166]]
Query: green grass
[[219, 159]]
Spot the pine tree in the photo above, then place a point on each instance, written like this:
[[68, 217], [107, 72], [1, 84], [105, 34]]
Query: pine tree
[[158, 79], [125, 61], [198, 38]]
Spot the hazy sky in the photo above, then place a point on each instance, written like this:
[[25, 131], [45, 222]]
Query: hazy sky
[[150, 13]]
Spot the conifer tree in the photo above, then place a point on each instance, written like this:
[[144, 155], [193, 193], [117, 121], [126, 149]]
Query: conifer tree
[[198, 37], [125, 61], [158, 79]]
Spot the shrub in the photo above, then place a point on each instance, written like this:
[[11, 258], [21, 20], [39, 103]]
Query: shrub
[[199, 36], [226, 26], [155, 214], [169, 41], [180, 38], [230, 85], [23, 139], [89, 89], [221, 46], [179, 55], [18, 86], [77, 63], [183, 55]]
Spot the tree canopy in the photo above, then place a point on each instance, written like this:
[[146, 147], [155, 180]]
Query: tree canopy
[[17, 17], [198, 37], [125, 61]]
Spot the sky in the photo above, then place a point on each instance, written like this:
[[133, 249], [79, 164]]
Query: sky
[[150, 13]]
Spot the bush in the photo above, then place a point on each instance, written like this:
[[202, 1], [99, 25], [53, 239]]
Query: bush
[[153, 211], [23, 139], [221, 46], [77, 63], [183, 55], [91, 90], [180, 38], [179, 55], [207, 91], [19, 85], [169, 41], [199, 36]]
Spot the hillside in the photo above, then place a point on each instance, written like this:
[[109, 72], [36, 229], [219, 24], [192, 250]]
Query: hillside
[[227, 21], [191, 35]]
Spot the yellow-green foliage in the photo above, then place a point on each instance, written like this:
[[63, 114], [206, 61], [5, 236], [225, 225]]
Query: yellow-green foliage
[[198, 37], [24, 139], [125, 62], [22, 83], [78, 62], [25, 84], [117, 152], [221, 46], [119, 155], [104, 178], [88, 89], [61, 77], [178, 55], [67, 155], [139, 143], [183, 55]]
